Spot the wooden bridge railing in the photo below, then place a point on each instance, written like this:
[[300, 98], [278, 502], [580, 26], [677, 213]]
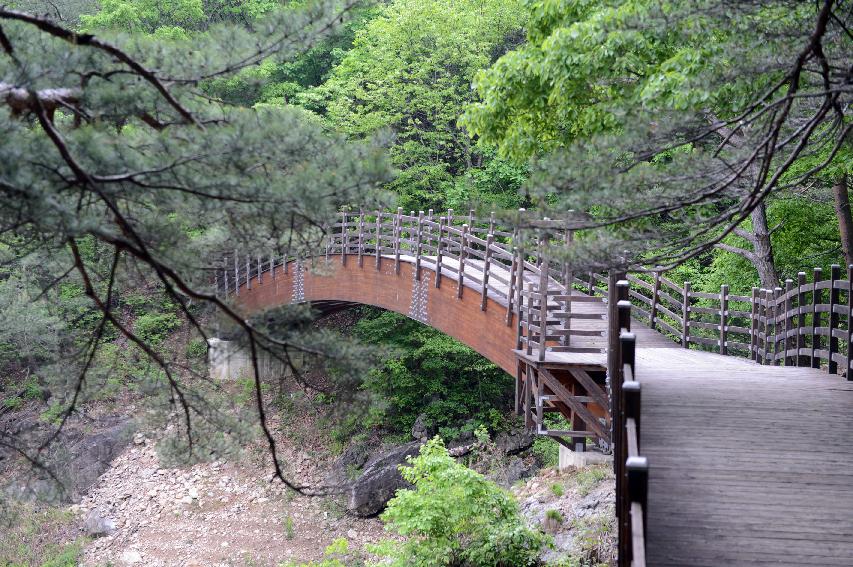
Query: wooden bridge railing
[[630, 467], [475, 253], [806, 323]]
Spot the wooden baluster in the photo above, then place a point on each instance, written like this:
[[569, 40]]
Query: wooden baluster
[[802, 301], [777, 301], [789, 306], [834, 299], [248, 273], [816, 299], [849, 311], [724, 313], [439, 251], [398, 221], [591, 283], [492, 222], [765, 346], [568, 278], [272, 265], [753, 325], [685, 316], [419, 245], [653, 311], [543, 306], [463, 252], [490, 238], [519, 285], [260, 273], [344, 238], [510, 294], [471, 219], [429, 228], [361, 238], [529, 319], [378, 240]]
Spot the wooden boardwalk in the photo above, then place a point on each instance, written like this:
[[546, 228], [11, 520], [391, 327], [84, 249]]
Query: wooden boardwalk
[[749, 464]]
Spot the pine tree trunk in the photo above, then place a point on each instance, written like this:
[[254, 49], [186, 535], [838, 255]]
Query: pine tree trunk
[[764, 262], [841, 196]]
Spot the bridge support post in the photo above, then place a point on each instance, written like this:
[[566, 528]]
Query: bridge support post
[[378, 240], [724, 313], [789, 322], [439, 251]]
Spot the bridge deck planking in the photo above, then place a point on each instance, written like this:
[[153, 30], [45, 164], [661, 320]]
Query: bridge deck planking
[[769, 481]]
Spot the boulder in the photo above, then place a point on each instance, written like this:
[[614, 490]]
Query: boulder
[[381, 478], [97, 525], [514, 441], [420, 430]]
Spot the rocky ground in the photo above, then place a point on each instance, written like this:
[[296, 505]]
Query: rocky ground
[[209, 515]]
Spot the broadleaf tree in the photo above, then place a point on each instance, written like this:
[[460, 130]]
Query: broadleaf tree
[[663, 127]]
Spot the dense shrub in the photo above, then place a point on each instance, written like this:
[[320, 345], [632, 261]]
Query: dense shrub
[[455, 516]]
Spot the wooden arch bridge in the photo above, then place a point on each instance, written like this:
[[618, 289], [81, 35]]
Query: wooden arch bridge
[[744, 459]]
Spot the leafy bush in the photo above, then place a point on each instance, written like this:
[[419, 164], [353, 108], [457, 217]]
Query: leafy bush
[[197, 349], [455, 516], [153, 328], [430, 373]]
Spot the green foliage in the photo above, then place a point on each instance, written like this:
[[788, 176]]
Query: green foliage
[[588, 478], [454, 516], [197, 349], [554, 515], [557, 489], [430, 373], [154, 328], [336, 554], [410, 71], [32, 535]]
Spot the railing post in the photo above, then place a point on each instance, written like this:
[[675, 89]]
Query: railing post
[[378, 250], [789, 306], [849, 310], [487, 262], [764, 296], [519, 290], [510, 294], [724, 314], [529, 319], [225, 282], [260, 273], [344, 238], [439, 250], [802, 360], [419, 245], [398, 222], [463, 252], [653, 310], [753, 325], [543, 300], [361, 238], [492, 222], [816, 298], [777, 299], [834, 298], [248, 273], [685, 317]]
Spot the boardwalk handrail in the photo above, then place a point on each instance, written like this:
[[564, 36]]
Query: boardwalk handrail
[[806, 323], [630, 467], [475, 252]]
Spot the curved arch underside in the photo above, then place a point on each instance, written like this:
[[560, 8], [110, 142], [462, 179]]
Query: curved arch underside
[[481, 325]]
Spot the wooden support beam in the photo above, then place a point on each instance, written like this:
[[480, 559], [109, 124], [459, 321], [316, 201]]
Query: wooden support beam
[[487, 263], [816, 299], [724, 314], [567, 398], [834, 300]]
